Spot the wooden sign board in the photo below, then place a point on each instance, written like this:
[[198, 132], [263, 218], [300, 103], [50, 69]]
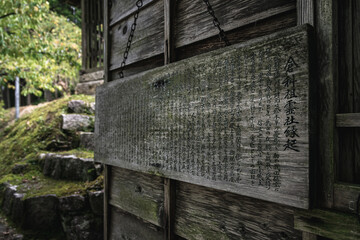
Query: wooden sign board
[[236, 119]]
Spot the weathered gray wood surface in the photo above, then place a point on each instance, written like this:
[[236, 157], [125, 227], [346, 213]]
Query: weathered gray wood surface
[[139, 194], [203, 213], [329, 224], [148, 37], [225, 120], [124, 226], [193, 22], [345, 197], [88, 77], [348, 120], [306, 11], [327, 74]]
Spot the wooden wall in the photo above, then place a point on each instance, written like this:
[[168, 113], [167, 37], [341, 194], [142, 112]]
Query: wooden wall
[[141, 206], [349, 90]]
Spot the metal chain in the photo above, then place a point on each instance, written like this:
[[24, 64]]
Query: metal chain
[[139, 4], [216, 23]]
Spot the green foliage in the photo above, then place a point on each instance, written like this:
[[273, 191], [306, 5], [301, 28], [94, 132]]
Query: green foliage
[[38, 45], [61, 7], [4, 116]]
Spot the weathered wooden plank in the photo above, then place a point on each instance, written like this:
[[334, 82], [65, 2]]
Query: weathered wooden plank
[[241, 34], [193, 22], [309, 236], [346, 197], [121, 9], [148, 37], [126, 226], [327, 65], [94, 76], [329, 224], [348, 120], [306, 11], [203, 213], [139, 67], [251, 31], [139, 194], [224, 120]]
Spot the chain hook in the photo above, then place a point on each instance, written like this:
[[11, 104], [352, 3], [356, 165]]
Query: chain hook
[[139, 4], [216, 23]]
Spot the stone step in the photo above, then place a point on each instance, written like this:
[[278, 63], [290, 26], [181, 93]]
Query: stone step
[[87, 140], [79, 216], [80, 106], [69, 167], [77, 122]]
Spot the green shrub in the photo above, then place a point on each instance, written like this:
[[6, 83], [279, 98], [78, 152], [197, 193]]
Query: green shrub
[[4, 116]]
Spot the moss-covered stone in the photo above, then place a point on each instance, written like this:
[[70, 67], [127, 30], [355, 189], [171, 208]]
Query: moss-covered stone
[[37, 131]]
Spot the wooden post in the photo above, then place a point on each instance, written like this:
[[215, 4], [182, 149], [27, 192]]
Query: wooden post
[[106, 201], [305, 12], [83, 34], [327, 75], [169, 185], [106, 41]]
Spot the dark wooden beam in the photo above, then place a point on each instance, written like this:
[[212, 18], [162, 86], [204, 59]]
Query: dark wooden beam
[[169, 56]]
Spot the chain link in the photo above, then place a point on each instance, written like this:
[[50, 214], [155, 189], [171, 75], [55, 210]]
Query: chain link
[[216, 23], [139, 4]]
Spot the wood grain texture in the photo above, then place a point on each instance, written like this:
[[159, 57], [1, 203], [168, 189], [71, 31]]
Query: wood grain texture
[[345, 169], [124, 226], [345, 197], [329, 224], [138, 67], [327, 65], [139, 194], [193, 22], [348, 120], [306, 11], [206, 129], [309, 236], [258, 29], [148, 37], [121, 9], [203, 213], [241, 34]]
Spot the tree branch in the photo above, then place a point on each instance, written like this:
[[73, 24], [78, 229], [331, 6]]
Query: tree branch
[[7, 15]]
